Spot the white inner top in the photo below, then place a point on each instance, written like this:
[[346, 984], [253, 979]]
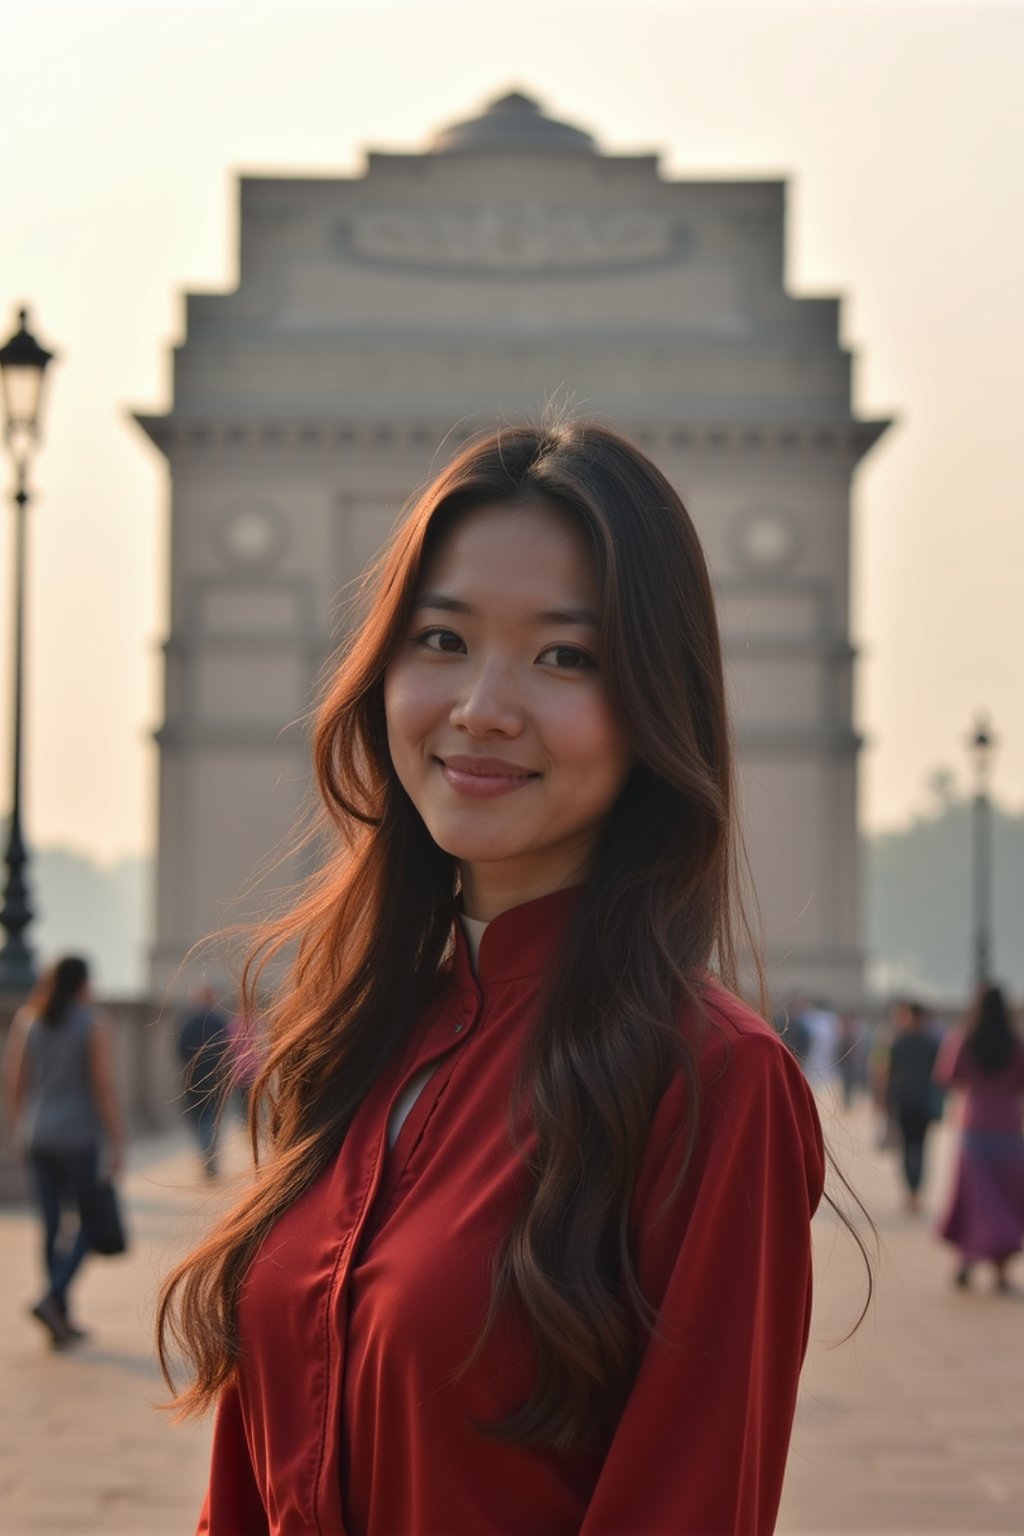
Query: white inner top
[[473, 928]]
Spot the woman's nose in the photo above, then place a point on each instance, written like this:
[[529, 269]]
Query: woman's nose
[[488, 702]]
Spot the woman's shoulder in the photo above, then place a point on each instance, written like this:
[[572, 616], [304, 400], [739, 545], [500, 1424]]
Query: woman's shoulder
[[86, 1019], [732, 1023], [23, 1025], [741, 1057], [24, 1019], [755, 1104], [745, 1061]]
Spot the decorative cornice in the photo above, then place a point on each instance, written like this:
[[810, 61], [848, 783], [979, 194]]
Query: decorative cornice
[[241, 735], [189, 641], [756, 645], [795, 740], [180, 435], [751, 737]]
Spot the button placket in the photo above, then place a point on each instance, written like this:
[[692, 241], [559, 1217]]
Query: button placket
[[465, 1018]]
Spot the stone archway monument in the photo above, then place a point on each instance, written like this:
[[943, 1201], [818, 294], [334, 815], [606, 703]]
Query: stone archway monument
[[381, 319]]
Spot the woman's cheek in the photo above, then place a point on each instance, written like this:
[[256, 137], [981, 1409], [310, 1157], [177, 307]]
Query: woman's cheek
[[395, 709], [411, 704]]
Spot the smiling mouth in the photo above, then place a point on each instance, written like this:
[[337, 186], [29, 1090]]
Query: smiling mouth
[[484, 777], [487, 767]]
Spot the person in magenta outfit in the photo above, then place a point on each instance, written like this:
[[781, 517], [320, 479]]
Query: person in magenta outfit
[[245, 1057], [530, 1248], [984, 1220]]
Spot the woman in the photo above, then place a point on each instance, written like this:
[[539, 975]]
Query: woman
[[531, 1249], [985, 1218], [59, 1074]]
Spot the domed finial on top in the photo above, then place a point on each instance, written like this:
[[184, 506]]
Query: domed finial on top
[[512, 122]]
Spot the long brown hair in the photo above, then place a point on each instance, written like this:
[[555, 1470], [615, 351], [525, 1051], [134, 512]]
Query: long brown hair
[[59, 989], [656, 911], [990, 1035]]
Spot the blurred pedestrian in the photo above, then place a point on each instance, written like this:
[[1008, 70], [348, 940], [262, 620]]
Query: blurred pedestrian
[[910, 1089], [59, 1077], [985, 1216], [204, 1043], [821, 1024], [852, 1054], [790, 1026]]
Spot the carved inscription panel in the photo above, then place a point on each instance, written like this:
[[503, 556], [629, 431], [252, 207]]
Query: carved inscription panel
[[503, 237]]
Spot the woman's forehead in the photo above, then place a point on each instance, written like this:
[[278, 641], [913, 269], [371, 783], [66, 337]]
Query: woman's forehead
[[532, 545]]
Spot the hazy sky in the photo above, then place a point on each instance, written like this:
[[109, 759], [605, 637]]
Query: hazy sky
[[900, 128]]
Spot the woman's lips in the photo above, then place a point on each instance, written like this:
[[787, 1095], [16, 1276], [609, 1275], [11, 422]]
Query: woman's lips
[[484, 777]]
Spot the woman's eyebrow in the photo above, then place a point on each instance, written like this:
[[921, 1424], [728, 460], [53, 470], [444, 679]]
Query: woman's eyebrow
[[446, 604], [585, 617]]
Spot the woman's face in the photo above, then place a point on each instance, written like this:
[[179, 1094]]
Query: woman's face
[[499, 723]]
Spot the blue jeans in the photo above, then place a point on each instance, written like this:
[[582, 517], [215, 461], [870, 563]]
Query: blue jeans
[[64, 1178]]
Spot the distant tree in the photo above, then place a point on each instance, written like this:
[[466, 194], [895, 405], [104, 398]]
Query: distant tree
[[101, 911], [917, 899], [942, 787]]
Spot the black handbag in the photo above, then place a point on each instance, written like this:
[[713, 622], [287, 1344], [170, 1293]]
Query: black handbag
[[106, 1226]]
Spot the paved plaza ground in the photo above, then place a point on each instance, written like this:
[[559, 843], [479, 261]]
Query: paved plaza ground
[[914, 1426]]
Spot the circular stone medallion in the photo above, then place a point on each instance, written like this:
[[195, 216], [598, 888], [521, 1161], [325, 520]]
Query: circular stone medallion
[[252, 534], [766, 539]]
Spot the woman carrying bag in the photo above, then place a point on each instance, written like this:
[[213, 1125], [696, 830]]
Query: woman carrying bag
[[59, 1077]]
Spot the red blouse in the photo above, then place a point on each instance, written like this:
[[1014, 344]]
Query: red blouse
[[353, 1413]]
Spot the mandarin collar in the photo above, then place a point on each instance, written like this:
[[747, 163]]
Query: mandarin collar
[[524, 941]]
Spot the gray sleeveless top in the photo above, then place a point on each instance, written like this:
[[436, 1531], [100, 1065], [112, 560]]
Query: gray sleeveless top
[[60, 1113]]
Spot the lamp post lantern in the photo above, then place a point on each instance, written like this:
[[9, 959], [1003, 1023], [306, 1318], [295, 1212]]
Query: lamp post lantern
[[23, 364], [981, 744]]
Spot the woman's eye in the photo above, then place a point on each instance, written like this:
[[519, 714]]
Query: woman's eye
[[567, 658], [440, 640]]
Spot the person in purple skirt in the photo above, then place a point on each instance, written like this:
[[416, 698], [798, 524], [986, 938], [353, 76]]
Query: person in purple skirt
[[985, 1217]]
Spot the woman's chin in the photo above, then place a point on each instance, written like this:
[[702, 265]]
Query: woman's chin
[[469, 850]]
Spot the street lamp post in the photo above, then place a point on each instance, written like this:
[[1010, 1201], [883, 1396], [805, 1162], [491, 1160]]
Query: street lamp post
[[23, 364], [981, 744]]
